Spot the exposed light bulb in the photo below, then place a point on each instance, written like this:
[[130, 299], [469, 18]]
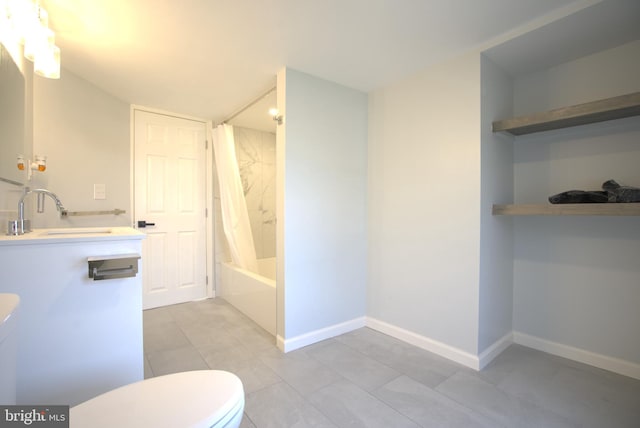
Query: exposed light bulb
[[275, 115], [47, 62], [37, 42]]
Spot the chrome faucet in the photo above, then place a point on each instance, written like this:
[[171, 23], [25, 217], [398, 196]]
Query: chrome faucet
[[22, 226]]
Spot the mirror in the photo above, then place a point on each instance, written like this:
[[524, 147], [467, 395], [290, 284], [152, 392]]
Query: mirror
[[12, 108]]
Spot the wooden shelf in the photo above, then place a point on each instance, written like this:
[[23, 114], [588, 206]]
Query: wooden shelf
[[581, 114], [608, 209]]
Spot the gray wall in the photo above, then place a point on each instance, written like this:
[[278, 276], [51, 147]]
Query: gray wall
[[496, 233], [424, 203], [322, 218]]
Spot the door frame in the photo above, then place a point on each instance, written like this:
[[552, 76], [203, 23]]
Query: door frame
[[209, 220]]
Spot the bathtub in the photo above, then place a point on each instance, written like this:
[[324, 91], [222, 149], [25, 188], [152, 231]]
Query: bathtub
[[252, 294]]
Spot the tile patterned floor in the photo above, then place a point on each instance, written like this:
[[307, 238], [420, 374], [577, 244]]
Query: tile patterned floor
[[367, 379]]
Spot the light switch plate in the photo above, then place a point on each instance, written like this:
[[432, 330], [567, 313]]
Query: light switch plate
[[99, 191]]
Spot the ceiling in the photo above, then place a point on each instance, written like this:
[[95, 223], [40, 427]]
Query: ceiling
[[209, 58], [602, 26]]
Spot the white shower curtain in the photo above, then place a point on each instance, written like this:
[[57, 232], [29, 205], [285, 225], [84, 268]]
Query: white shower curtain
[[235, 216]]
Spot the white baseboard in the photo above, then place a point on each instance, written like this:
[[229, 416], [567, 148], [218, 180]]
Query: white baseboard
[[439, 348], [605, 362], [476, 362], [319, 335], [495, 349]]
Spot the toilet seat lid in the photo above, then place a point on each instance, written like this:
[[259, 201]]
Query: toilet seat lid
[[198, 398], [8, 307]]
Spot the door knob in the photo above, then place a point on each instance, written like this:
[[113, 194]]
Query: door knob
[[143, 223]]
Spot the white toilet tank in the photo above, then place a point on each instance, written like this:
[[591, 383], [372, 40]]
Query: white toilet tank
[[8, 347]]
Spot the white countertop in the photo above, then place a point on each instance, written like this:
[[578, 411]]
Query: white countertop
[[77, 234]]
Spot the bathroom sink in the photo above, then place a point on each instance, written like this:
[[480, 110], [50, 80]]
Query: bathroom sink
[[78, 231]]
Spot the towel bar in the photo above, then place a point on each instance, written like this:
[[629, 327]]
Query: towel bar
[[117, 211]]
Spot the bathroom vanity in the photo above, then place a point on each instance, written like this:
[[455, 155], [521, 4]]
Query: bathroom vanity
[[77, 336]]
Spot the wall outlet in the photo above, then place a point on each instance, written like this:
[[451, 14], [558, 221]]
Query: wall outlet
[[99, 191]]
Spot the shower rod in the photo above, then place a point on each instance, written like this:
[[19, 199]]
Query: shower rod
[[248, 105]]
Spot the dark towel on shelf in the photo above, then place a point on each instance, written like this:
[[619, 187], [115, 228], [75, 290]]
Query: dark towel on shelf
[[579, 197], [611, 192], [618, 193]]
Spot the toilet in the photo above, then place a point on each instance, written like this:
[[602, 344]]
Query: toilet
[[8, 347], [202, 398], [198, 399]]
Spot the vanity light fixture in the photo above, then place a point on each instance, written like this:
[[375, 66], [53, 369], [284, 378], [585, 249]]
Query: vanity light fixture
[[275, 115], [26, 22]]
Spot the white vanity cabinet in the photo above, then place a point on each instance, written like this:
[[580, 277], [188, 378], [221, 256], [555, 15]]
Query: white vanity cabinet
[[77, 337]]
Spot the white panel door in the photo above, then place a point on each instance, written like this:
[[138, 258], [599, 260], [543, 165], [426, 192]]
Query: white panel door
[[170, 193]]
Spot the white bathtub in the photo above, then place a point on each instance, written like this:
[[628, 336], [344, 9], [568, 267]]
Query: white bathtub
[[252, 294]]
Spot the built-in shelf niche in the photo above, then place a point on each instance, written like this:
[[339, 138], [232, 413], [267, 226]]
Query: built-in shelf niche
[[581, 114]]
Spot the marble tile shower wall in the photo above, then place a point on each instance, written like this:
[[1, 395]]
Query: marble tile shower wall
[[256, 152]]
